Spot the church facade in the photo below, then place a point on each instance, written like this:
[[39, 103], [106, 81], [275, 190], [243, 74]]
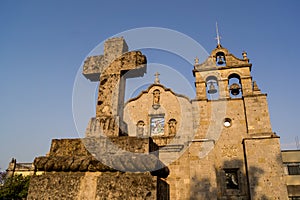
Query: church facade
[[164, 145], [219, 145]]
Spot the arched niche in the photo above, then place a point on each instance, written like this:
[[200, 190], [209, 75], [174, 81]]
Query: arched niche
[[172, 124], [235, 86], [220, 59], [212, 88], [140, 128]]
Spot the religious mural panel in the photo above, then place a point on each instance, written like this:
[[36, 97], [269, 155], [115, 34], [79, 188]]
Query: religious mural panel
[[157, 126]]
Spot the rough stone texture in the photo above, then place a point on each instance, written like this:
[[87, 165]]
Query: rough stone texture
[[265, 168], [113, 48], [96, 185], [231, 61], [125, 162], [111, 71], [95, 65], [92, 168], [102, 154], [111, 88], [84, 146], [70, 163], [55, 186], [67, 147], [258, 120], [124, 186], [109, 110]]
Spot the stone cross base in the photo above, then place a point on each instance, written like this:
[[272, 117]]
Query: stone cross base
[[105, 126]]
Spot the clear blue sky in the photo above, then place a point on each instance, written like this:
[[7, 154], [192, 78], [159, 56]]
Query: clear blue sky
[[43, 43]]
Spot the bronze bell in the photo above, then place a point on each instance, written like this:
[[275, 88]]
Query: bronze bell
[[212, 89], [220, 60], [235, 89]]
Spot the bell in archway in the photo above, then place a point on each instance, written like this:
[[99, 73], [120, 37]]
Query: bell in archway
[[220, 60], [235, 89], [212, 89]]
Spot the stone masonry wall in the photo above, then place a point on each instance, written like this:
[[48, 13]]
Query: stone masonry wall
[[258, 119], [125, 168], [265, 170], [95, 185]]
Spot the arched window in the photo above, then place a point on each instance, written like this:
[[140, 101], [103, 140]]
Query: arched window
[[212, 88], [235, 86]]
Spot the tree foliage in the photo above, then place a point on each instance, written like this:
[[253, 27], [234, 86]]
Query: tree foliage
[[15, 187], [2, 177]]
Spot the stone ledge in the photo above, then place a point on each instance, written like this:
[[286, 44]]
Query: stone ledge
[[125, 162], [90, 145]]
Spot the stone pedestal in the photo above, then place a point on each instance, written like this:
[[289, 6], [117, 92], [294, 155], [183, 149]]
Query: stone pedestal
[[97, 185], [100, 168]]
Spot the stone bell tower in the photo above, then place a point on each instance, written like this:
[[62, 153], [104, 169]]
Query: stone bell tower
[[245, 152], [225, 77]]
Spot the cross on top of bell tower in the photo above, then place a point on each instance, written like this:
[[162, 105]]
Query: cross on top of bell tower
[[157, 81], [218, 38]]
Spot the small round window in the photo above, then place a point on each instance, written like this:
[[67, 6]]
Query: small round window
[[227, 122]]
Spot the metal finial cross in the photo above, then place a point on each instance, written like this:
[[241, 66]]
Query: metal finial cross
[[156, 78], [196, 60], [218, 36]]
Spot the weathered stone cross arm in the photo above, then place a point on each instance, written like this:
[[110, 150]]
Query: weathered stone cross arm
[[132, 60]]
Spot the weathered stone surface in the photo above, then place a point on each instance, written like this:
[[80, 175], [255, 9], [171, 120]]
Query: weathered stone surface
[[72, 172], [128, 154], [55, 186], [113, 145], [125, 186], [231, 61], [94, 65], [111, 93], [65, 147], [101, 145], [97, 185], [122, 162], [265, 168], [112, 68]]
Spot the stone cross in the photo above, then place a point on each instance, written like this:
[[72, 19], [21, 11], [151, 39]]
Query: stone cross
[[156, 81], [109, 69]]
